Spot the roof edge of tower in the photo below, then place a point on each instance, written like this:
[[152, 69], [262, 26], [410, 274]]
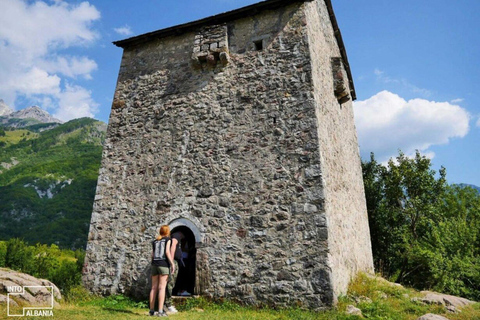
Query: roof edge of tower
[[215, 19], [237, 14]]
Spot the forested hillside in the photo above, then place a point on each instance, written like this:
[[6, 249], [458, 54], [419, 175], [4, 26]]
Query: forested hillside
[[48, 181]]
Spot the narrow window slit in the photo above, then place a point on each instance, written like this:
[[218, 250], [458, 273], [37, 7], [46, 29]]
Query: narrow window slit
[[258, 45]]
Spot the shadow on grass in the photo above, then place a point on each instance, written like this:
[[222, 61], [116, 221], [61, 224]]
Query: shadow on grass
[[120, 311]]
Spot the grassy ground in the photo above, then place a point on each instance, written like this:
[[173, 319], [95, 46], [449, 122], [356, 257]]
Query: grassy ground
[[377, 299]]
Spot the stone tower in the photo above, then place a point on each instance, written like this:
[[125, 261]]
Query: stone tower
[[238, 131]]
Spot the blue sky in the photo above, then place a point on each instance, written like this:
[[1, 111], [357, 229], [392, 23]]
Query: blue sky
[[415, 66]]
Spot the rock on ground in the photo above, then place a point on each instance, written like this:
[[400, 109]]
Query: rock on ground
[[354, 311], [444, 299], [431, 316], [35, 293]]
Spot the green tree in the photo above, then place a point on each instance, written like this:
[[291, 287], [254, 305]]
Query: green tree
[[424, 233], [19, 256], [3, 253], [401, 202], [451, 251], [381, 236]]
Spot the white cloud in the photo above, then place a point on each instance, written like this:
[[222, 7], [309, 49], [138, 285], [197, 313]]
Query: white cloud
[[478, 122], [71, 66], [386, 123], [33, 81], [75, 102], [39, 27], [124, 31], [34, 37], [458, 100]]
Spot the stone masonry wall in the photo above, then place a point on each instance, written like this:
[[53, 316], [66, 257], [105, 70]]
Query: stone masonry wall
[[234, 148], [349, 243]]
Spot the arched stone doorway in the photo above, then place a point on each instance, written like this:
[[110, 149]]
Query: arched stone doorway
[[186, 280]]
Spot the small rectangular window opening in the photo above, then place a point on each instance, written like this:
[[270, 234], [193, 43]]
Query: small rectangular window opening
[[258, 45]]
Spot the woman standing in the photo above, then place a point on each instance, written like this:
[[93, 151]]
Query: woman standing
[[162, 262]]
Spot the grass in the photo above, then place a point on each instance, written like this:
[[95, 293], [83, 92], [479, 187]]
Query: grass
[[15, 136], [377, 299]]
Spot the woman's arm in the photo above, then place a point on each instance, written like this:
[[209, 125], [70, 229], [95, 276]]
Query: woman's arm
[[173, 247], [168, 252]]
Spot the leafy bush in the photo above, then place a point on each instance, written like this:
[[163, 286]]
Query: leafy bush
[[67, 275], [19, 256], [45, 260]]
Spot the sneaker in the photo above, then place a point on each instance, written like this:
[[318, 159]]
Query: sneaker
[[151, 312], [172, 309], [162, 314], [184, 293]]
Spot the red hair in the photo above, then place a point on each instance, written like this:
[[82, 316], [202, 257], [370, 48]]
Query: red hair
[[164, 232]]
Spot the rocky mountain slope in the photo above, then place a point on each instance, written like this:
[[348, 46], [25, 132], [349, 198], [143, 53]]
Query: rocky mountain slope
[[30, 116], [36, 113]]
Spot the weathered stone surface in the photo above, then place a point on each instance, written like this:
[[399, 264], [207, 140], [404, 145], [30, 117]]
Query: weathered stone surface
[[431, 316], [34, 295], [4, 300], [344, 205], [256, 156], [354, 311], [451, 309], [340, 80], [444, 299]]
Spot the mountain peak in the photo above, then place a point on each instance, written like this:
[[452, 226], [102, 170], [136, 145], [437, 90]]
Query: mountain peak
[[34, 112]]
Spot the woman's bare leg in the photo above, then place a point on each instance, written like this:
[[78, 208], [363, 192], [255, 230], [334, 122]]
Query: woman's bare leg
[[153, 291], [162, 284]]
